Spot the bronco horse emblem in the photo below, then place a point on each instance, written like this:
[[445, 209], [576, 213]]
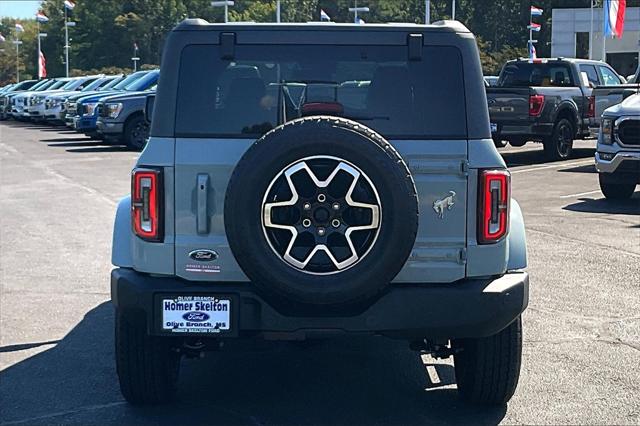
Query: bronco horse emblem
[[446, 203]]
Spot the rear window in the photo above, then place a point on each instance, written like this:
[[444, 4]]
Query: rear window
[[264, 86], [525, 74]]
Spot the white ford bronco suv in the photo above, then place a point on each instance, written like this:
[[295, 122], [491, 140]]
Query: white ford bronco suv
[[308, 180]]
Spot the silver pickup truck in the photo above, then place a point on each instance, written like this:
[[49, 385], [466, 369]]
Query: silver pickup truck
[[618, 153]]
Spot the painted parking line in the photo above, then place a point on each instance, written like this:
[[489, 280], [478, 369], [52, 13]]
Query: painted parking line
[[580, 194], [554, 166]]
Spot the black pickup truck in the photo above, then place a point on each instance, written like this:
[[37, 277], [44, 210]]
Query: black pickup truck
[[544, 100]]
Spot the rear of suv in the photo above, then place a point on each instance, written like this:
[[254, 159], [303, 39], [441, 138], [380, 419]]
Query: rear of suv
[[308, 180]]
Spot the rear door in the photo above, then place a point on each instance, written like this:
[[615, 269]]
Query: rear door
[[224, 105]]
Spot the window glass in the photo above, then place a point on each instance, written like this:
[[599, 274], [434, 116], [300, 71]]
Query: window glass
[[525, 74], [590, 70], [267, 85], [609, 78]]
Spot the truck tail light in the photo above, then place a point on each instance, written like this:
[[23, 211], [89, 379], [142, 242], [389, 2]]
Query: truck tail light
[[536, 102], [493, 205], [591, 109], [146, 197]]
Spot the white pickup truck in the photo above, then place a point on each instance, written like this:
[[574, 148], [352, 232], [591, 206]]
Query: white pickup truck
[[618, 152]]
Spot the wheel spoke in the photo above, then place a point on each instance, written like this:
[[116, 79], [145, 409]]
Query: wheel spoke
[[319, 230]]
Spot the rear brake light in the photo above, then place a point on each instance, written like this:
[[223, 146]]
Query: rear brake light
[[493, 205], [146, 195], [591, 109], [536, 102]]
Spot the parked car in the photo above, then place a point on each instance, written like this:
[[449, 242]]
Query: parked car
[[19, 104], [544, 100], [618, 152], [11, 90], [40, 104], [86, 119], [121, 117], [55, 107], [70, 104], [284, 205]]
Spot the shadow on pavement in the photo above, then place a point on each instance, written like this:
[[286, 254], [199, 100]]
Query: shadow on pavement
[[82, 139], [530, 157], [603, 205], [355, 381], [589, 168], [79, 143], [101, 147]]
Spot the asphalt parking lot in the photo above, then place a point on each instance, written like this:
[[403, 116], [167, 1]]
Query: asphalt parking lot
[[58, 193]]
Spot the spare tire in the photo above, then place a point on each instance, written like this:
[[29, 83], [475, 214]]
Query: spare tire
[[321, 212]]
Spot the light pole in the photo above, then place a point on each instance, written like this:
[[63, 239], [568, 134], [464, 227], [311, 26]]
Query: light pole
[[278, 11], [225, 4], [357, 9], [17, 42], [453, 10], [67, 24], [427, 12], [135, 57]]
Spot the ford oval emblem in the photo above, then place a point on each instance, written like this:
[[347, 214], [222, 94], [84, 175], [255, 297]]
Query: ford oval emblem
[[196, 316], [203, 255]]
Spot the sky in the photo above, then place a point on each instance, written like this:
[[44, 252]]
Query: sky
[[19, 8]]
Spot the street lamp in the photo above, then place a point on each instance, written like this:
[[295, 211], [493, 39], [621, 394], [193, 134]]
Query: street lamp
[[357, 9], [225, 4], [17, 43]]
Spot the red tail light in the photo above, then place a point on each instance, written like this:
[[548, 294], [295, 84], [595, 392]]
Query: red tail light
[[493, 205], [536, 102], [591, 109], [146, 195]]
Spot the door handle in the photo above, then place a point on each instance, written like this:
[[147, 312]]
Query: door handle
[[202, 218]]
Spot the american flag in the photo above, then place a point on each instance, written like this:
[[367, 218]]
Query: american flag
[[19, 27], [69, 4], [41, 17]]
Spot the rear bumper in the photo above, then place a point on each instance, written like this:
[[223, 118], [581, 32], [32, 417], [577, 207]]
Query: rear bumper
[[469, 308], [534, 131]]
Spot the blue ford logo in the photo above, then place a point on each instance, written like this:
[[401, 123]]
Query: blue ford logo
[[195, 316], [203, 255]]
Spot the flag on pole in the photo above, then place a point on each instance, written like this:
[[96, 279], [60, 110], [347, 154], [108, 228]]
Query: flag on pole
[[532, 51], [614, 17], [360, 21], [533, 26], [69, 4], [324, 17], [536, 11], [2, 39], [41, 17], [19, 27], [43, 66], [135, 46]]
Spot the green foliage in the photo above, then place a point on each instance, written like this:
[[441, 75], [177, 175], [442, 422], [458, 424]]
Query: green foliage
[[106, 30]]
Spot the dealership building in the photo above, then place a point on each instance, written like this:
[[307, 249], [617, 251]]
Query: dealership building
[[571, 37]]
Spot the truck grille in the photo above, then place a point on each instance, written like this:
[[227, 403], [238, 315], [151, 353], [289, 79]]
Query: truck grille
[[629, 132]]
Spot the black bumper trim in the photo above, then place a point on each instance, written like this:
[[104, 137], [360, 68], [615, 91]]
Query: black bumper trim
[[469, 308]]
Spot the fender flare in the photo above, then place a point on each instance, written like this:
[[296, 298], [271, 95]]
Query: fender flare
[[121, 252], [517, 240], [572, 107]]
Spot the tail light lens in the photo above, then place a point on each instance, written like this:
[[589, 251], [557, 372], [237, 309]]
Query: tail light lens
[[591, 109], [493, 205], [146, 196], [536, 102]]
